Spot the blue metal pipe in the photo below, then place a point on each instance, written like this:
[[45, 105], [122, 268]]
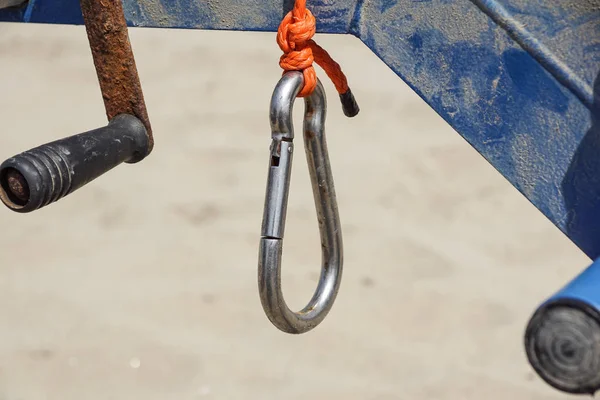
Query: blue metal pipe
[[562, 339]]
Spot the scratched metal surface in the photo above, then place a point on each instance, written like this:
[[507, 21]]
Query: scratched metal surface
[[516, 78]]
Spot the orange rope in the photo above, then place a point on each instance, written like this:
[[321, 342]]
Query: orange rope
[[294, 38]]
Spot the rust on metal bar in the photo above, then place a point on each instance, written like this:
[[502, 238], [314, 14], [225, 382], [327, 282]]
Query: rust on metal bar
[[115, 65]]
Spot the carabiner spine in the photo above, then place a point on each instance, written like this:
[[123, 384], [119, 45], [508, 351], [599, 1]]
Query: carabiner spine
[[269, 283], [321, 178]]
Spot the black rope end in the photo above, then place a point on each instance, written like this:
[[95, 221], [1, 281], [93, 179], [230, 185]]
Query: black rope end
[[349, 104]]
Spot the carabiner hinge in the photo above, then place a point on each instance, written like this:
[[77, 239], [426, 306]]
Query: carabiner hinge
[[278, 186]]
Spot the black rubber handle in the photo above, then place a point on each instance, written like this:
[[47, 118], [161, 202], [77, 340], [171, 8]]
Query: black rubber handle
[[45, 174]]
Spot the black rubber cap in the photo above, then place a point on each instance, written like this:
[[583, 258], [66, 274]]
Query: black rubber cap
[[349, 104], [562, 342]]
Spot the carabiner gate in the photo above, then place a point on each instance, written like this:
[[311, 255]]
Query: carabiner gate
[[278, 183]]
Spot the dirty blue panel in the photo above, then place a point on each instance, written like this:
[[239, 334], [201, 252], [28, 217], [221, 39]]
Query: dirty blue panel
[[518, 79], [247, 15], [559, 26], [523, 108]]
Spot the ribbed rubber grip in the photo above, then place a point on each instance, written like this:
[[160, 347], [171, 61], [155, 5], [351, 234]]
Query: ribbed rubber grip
[[45, 174]]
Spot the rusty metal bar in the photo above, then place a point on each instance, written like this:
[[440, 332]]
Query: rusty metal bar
[[45, 174], [115, 65]]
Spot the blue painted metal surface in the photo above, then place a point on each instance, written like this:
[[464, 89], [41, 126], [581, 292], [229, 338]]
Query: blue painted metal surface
[[562, 337], [518, 79], [583, 288]]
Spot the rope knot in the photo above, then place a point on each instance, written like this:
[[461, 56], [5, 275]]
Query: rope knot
[[294, 38]]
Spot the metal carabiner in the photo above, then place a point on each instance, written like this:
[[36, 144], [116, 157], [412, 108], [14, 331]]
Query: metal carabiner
[[278, 183]]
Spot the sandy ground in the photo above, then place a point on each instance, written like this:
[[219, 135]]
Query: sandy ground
[[143, 285]]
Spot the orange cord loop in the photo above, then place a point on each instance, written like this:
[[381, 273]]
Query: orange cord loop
[[294, 38]]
